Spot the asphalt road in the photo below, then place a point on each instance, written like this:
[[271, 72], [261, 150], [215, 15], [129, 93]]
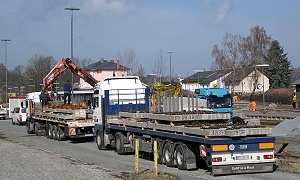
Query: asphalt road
[[24, 156]]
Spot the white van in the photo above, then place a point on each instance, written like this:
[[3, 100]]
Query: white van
[[18, 116]]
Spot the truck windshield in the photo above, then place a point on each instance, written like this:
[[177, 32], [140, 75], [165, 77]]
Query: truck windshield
[[219, 102]]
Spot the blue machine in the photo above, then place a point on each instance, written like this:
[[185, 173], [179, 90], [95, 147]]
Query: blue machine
[[218, 99]]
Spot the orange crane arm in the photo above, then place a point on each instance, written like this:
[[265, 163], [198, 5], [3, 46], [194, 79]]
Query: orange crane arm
[[60, 67]]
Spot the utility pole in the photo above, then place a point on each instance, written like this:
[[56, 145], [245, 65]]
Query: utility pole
[[5, 41]]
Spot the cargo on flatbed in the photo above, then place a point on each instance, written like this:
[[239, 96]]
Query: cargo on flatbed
[[186, 139], [60, 123], [188, 135]]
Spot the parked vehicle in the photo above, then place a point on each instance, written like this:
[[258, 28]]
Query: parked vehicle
[[217, 99], [122, 114], [3, 112], [15, 101], [18, 116], [57, 120], [185, 139]]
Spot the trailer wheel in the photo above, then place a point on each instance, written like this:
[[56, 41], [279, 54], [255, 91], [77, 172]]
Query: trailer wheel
[[55, 131], [159, 151], [60, 134], [99, 140], [29, 131], [180, 157], [168, 154], [36, 128], [50, 131], [120, 143]]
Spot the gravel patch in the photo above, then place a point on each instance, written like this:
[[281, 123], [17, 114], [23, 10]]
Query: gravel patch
[[21, 162]]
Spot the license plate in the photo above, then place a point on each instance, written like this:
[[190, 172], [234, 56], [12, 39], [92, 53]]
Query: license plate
[[245, 157]]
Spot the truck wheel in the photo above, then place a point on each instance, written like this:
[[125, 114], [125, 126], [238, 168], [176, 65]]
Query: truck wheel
[[50, 131], [120, 143], [12, 122], [60, 134], [159, 151], [29, 131], [36, 128], [55, 131], [99, 141], [18, 122], [168, 154], [180, 157]]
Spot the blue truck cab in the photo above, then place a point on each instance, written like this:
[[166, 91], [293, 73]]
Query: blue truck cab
[[217, 99]]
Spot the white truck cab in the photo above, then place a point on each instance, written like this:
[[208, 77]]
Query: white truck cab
[[122, 90]]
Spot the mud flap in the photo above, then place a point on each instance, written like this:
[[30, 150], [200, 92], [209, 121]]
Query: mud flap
[[242, 168]]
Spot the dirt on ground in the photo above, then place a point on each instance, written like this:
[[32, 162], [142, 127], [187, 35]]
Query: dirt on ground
[[289, 159]]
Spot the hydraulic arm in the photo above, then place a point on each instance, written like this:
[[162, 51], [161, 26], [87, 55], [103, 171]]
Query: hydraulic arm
[[60, 68]]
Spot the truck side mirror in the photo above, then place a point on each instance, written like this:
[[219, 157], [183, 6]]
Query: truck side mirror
[[21, 104], [197, 91]]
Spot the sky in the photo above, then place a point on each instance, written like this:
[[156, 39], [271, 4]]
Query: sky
[[102, 28]]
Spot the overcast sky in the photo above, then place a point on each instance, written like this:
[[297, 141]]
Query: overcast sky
[[102, 28]]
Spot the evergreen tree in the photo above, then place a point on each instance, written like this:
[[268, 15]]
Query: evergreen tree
[[279, 69]]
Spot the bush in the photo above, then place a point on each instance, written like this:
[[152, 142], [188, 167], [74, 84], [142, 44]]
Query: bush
[[278, 96]]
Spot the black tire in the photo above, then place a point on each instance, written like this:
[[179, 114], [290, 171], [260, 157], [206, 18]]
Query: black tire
[[28, 130], [120, 143], [12, 122], [180, 157], [99, 140], [160, 156], [19, 123], [60, 134], [168, 154], [55, 131], [50, 131], [36, 128]]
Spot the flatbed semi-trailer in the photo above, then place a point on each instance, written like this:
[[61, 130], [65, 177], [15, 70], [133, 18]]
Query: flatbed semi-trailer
[[61, 123], [185, 139]]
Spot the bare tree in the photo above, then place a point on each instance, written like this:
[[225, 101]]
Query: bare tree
[[2, 72], [141, 73], [237, 52], [159, 66], [38, 67], [128, 59], [295, 74], [256, 46], [85, 62]]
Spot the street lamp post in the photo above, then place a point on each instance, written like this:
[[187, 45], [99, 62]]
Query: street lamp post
[[5, 41], [72, 9], [263, 86], [170, 63]]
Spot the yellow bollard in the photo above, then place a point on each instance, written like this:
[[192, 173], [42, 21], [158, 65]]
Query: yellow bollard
[[155, 158], [137, 148]]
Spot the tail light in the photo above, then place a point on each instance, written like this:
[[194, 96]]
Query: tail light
[[268, 156], [20, 116], [217, 159]]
